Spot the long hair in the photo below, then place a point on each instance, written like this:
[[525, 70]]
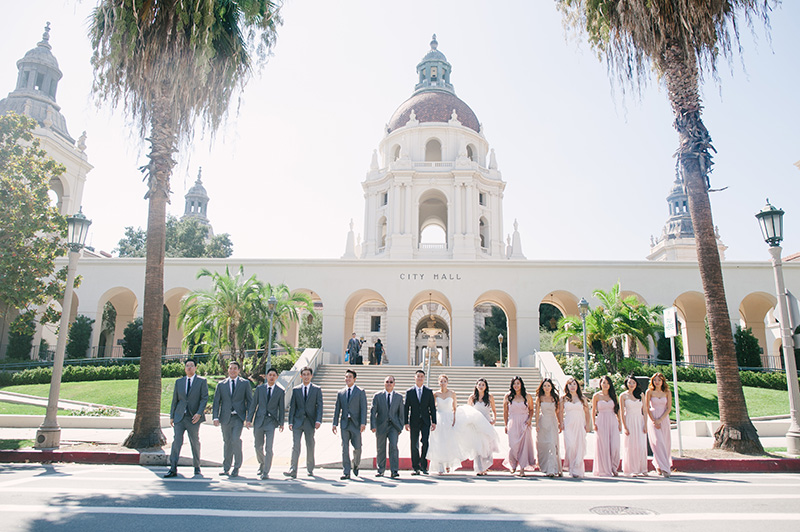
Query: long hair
[[476, 395], [612, 393], [578, 392], [637, 392], [664, 387], [512, 393], [553, 392]]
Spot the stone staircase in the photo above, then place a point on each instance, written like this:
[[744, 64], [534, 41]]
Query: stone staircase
[[330, 377]]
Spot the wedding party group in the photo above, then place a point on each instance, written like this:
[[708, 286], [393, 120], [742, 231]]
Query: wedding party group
[[443, 434]]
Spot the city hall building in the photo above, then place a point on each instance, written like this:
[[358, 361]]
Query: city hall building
[[434, 254]]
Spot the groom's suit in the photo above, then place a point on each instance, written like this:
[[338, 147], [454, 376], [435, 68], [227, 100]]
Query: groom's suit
[[420, 414]]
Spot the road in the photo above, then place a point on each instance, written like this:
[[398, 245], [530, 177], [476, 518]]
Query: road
[[131, 498]]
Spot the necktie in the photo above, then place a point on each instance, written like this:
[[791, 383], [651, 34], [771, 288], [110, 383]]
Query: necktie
[[419, 394], [348, 394], [269, 393], [305, 392], [188, 385], [233, 386], [388, 399]]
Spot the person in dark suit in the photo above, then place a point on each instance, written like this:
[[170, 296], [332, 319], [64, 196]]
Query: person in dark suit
[[189, 400], [231, 400], [420, 419], [378, 351], [353, 349], [305, 417], [351, 412], [265, 415], [386, 421]]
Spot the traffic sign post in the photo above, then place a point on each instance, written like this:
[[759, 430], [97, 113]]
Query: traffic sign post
[[671, 331]]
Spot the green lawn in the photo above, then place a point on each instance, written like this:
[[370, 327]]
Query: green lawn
[[113, 393], [25, 410], [699, 401], [11, 445]]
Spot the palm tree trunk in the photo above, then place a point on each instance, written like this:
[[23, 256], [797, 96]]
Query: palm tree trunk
[[736, 432], [146, 431]]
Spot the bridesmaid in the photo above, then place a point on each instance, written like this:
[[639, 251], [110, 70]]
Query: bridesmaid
[[482, 401], [548, 425], [634, 442], [607, 426], [517, 414], [576, 422], [659, 403]]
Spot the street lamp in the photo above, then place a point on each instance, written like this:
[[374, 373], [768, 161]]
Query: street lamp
[[500, 339], [48, 436], [583, 308], [771, 221], [271, 304]]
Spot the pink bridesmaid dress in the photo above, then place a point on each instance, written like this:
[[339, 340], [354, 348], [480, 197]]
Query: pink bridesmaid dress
[[520, 440], [660, 439], [574, 438], [634, 445], [606, 448]]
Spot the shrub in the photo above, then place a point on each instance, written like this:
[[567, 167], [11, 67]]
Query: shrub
[[132, 339], [748, 352], [80, 335], [20, 339], [283, 362]]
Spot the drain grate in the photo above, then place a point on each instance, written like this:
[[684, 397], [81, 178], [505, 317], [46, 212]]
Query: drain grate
[[621, 510]]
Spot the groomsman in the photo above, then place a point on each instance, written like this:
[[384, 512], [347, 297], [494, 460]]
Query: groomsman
[[266, 413], [305, 417], [231, 401], [420, 417], [386, 421], [351, 412], [189, 400]]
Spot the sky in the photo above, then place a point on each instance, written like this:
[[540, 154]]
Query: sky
[[587, 167]]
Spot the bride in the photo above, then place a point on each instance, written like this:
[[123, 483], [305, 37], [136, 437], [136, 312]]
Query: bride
[[462, 432]]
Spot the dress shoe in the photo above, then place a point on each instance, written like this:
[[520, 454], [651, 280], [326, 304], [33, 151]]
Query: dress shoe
[[289, 474], [171, 473], [263, 476], [424, 471], [310, 474], [416, 472], [235, 472], [344, 477], [379, 474], [197, 471], [224, 474], [355, 471], [395, 474]]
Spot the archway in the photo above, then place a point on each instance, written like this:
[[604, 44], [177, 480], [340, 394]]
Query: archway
[[425, 306], [127, 306], [755, 310], [173, 300], [567, 304], [692, 316], [307, 333], [433, 220], [506, 303], [362, 322], [433, 150]]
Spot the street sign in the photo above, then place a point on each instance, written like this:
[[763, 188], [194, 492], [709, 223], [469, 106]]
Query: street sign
[[670, 322]]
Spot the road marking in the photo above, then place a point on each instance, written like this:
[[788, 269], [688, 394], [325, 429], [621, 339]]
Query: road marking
[[538, 519], [397, 496]]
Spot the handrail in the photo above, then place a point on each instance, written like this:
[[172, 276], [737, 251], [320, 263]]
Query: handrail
[[311, 357]]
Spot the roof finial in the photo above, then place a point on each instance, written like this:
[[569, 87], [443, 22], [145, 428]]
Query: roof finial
[[199, 176], [434, 43], [45, 36]]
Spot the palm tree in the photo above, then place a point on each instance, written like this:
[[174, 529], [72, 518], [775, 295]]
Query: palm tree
[[679, 38], [287, 311], [219, 317], [171, 64]]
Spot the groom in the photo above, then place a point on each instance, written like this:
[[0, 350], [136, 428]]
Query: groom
[[420, 417]]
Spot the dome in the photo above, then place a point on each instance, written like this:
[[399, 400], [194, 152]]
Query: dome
[[434, 106]]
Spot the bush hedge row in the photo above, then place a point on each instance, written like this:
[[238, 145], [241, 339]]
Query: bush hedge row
[[93, 373]]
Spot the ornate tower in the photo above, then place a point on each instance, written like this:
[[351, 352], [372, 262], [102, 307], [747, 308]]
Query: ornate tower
[[197, 201], [433, 190], [35, 96], [676, 242]]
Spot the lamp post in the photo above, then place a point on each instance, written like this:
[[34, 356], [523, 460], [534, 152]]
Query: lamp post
[[583, 308], [771, 221], [500, 340], [48, 436], [271, 304]]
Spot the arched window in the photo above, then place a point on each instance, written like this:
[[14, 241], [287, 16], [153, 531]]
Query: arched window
[[483, 231], [382, 233], [470, 152], [433, 150], [396, 152]]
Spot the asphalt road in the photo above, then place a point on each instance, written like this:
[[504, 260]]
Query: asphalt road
[[132, 498]]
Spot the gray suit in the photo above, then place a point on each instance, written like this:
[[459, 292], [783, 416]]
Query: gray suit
[[266, 416], [304, 413], [350, 414], [184, 407], [231, 411], [387, 421]]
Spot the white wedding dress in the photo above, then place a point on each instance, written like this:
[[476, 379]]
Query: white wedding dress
[[472, 436]]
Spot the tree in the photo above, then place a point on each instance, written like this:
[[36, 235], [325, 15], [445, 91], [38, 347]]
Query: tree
[[680, 39], [187, 238], [288, 308], [132, 338], [32, 232], [664, 351], [488, 354], [748, 352], [170, 66], [310, 335], [20, 338], [549, 316], [80, 336]]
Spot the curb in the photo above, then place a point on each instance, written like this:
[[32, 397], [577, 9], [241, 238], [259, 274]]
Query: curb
[[78, 457]]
